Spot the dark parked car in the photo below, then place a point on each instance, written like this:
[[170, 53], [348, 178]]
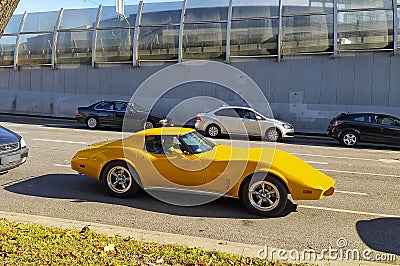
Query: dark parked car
[[112, 113], [351, 128], [13, 150]]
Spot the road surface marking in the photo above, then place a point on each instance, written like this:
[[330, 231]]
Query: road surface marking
[[62, 165], [349, 211], [351, 192], [358, 173], [312, 162], [389, 160], [61, 141], [335, 157]]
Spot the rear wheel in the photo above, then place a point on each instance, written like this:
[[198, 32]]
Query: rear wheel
[[349, 139], [265, 197], [272, 134], [213, 131], [119, 180], [92, 122], [149, 125]]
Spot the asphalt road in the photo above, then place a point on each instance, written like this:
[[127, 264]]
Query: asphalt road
[[365, 210]]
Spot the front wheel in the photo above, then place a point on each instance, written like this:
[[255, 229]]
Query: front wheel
[[265, 197], [149, 125], [119, 180], [272, 134], [349, 139]]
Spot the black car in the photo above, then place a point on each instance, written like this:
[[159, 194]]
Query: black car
[[112, 113], [13, 150], [350, 128]]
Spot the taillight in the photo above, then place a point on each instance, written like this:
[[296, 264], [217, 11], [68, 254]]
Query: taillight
[[337, 123], [198, 118]]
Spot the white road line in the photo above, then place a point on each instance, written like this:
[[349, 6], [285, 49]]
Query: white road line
[[62, 165], [358, 173], [61, 141], [349, 211], [336, 157], [351, 192], [312, 162]]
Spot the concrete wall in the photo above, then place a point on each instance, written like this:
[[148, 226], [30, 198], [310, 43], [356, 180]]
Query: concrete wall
[[306, 91]]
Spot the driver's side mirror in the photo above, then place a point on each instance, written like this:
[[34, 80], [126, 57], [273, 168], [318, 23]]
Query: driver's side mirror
[[258, 117]]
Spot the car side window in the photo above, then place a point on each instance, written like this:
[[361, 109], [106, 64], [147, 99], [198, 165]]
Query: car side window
[[384, 120], [162, 144], [120, 107], [249, 115], [361, 118], [229, 112], [107, 106]]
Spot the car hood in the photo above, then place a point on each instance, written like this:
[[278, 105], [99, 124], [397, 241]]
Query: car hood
[[7, 136]]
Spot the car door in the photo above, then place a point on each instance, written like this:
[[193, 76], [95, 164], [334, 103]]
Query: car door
[[134, 118], [363, 123], [229, 119], [390, 129], [179, 167], [120, 111], [249, 124], [105, 111]]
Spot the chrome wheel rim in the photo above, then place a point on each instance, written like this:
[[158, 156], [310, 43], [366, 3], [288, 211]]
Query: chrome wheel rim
[[264, 196], [213, 131], [119, 179], [349, 139], [148, 125], [92, 122], [273, 135]]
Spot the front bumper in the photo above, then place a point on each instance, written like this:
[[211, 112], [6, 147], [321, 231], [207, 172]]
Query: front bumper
[[288, 133], [13, 159]]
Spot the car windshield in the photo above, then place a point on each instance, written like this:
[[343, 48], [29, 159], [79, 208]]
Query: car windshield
[[197, 143]]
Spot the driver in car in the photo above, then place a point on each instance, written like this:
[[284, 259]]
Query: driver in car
[[168, 145]]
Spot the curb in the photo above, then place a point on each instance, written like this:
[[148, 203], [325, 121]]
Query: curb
[[246, 250]]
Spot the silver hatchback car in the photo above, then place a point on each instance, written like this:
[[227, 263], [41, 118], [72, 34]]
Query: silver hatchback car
[[238, 120]]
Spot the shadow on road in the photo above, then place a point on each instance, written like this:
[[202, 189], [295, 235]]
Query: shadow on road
[[80, 188], [381, 234]]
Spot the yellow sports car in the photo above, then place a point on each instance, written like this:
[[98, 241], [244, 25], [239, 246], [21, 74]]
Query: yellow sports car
[[182, 159]]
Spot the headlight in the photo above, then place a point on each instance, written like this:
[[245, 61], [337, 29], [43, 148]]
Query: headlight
[[22, 143], [287, 126], [163, 121]]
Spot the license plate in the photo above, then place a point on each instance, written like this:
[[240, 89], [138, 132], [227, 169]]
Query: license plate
[[10, 159]]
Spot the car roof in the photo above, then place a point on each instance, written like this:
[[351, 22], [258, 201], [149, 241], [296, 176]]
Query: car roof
[[365, 113], [230, 107]]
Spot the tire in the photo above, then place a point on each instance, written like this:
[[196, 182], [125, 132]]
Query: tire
[[213, 131], [349, 139], [149, 125], [119, 180], [264, 197], [273, 134], [92, 122]]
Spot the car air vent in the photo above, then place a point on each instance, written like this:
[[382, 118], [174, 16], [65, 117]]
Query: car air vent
[[9, 147]]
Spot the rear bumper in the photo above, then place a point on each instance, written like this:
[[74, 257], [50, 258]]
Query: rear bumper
[[80, 119], [12, 160]]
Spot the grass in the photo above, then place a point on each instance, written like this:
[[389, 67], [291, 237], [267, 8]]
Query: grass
[[28, 244]]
